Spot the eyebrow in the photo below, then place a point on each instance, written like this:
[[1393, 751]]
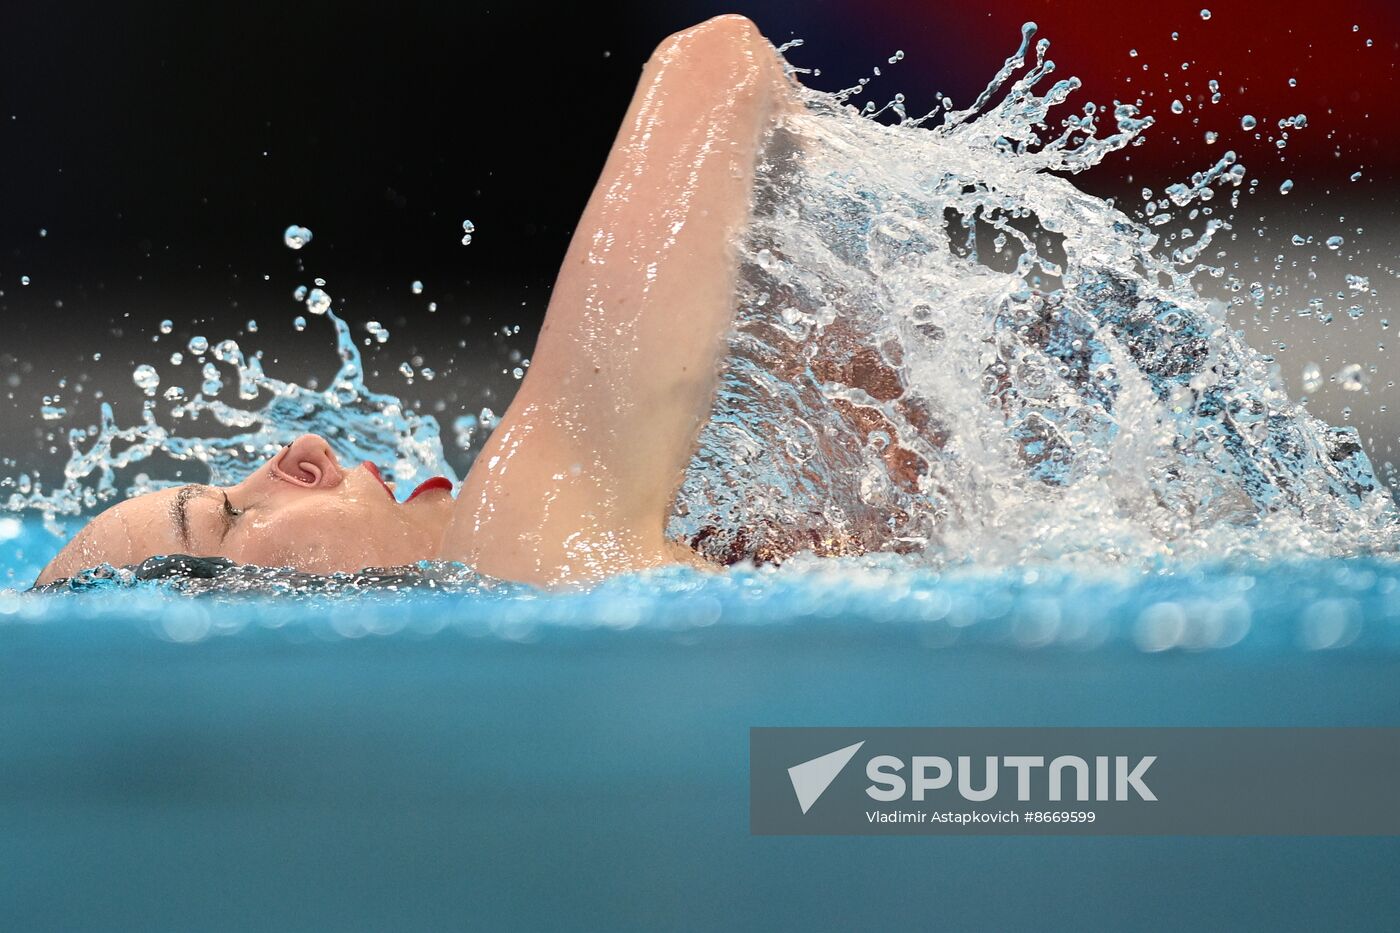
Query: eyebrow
[[179, 511]]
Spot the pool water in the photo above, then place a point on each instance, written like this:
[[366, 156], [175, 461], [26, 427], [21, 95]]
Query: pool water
[[505, 759]]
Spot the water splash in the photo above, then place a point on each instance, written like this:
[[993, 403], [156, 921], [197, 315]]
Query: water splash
[[360, 423], [946, 350]]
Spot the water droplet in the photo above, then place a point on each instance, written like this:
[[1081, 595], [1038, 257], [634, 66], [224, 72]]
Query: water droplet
[[1351, 377], [213, 383], [251, 327], [1312, 378], [146, 378], [299, 323], [406, 370], [167, 326], [296, 237], [1175, 36], [1248, 121], [1335, 242], [1292, 82], [1211, 137], [1132, 53], [1205, 14], [468, 228], [318, 302], [1355, 176], [1286, 187], [1178, 106], [417, 287], [24, 280], [896, 57], [199, 345], [177, 358]]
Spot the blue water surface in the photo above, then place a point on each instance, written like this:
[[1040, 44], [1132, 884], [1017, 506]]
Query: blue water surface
[[506, 759]]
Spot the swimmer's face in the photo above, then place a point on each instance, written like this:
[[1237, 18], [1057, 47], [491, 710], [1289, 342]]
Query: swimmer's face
[[301, 509]]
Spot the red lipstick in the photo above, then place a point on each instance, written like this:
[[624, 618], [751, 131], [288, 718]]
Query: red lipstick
[[437, 482], [374, 471]]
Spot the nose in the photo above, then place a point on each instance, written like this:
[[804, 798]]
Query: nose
[[309, 463]]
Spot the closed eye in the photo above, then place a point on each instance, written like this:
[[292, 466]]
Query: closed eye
[[229, 515], [180, 517]]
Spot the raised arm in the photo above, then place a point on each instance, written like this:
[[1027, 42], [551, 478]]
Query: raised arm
[[576, 482]]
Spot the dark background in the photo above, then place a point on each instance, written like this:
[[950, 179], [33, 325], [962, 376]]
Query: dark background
[[164, 147]]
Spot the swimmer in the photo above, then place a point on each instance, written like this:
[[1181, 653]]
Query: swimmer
[[576, 482]]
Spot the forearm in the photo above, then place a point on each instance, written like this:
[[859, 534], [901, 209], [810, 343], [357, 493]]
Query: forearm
[[590, 453], [645, 296]]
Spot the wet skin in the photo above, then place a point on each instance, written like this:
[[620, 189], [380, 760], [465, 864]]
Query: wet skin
[[576, 482], [300, 509]]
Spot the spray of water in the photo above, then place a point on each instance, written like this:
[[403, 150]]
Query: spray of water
[[944, 348], [360, 423]]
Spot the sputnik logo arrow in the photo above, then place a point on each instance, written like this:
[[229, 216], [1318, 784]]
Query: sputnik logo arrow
[[811, 778]]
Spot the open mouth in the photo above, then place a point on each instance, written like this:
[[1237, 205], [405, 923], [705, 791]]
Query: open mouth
[[437, 482]]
